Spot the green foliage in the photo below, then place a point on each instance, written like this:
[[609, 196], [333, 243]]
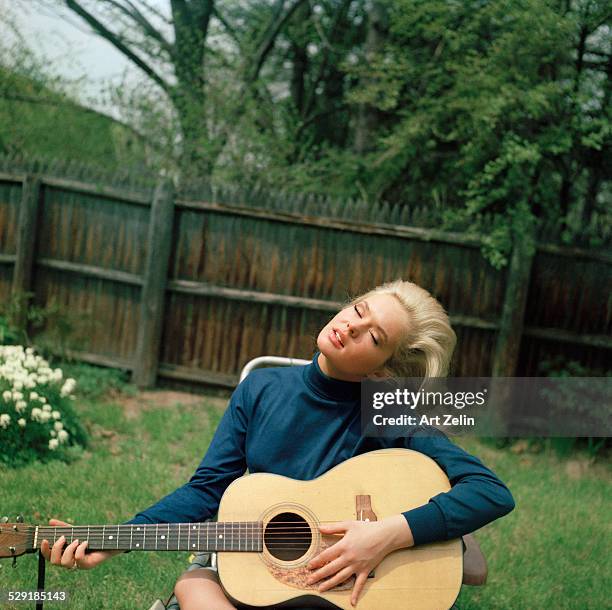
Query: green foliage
[[37, 419], [572, 399], [55, 329], [8, 334], [41, 115], [478, 106], [490, 94], [55, 333], [97, 381]]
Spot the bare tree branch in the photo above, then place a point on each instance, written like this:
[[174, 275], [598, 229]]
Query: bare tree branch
[[154, 11], [270, 36], [114, 39], [595, 65], [598, 53], [145, 25], [228, 28], [333, 30]]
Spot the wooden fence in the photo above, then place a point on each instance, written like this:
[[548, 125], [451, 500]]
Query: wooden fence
[[190, 286]]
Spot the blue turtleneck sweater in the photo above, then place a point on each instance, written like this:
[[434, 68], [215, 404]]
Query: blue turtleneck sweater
[[298, 422]]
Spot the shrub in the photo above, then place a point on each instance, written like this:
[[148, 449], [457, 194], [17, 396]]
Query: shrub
[[37, 419], [97, 381], [573, 399]]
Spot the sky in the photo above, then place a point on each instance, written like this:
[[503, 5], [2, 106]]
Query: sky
[[69, 46]]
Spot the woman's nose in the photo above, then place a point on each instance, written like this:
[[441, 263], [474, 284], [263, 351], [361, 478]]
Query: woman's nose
[[352, 331]]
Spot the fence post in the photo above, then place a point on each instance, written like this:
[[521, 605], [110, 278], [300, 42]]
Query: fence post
[[154, 286], [510, 331], [26, 240]]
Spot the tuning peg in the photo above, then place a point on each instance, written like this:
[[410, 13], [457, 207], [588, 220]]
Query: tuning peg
[[19, 519], [4, 520]]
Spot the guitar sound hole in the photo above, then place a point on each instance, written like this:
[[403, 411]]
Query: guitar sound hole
[[287, 536]]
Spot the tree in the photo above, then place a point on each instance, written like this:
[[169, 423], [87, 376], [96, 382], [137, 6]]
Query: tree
[[493, 113], [175, 49]]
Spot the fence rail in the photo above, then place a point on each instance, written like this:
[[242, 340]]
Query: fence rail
[[189, 288]]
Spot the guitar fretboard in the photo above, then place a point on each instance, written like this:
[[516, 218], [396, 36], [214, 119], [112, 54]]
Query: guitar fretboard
[[244, 536]]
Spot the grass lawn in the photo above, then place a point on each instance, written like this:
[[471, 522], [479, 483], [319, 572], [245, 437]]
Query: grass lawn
[[551, 552]]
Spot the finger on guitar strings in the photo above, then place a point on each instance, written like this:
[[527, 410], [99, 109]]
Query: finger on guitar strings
[[79, 554], [57, 549], [67, 560], [45, 549], [335, 527]]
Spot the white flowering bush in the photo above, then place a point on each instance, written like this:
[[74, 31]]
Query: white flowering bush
[[37, 419]]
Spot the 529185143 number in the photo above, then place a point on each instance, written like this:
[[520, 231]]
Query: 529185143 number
[[33, 596]]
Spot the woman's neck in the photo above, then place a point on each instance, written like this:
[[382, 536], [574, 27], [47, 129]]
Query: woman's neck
[[330, 371]]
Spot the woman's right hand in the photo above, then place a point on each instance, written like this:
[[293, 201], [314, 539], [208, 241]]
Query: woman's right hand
[[73, 556]]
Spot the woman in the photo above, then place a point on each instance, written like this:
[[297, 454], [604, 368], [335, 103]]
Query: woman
[[302, 421]]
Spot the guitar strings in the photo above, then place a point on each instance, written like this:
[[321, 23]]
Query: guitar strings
[[283, 535], [286, 538], [174, 531], [188, 524], [175, 534]]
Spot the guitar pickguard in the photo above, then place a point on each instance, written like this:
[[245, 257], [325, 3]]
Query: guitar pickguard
[[297, 576]]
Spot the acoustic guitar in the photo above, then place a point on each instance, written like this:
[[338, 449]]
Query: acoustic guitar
[[267, 531]]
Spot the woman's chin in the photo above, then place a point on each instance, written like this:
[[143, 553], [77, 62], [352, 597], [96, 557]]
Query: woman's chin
[[325, 346], [327, 358]]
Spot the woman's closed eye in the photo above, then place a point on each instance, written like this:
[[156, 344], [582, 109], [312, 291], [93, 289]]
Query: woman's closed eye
[[371, 333]]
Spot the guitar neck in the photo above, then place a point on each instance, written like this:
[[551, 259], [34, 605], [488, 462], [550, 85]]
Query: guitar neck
[[246, 536]]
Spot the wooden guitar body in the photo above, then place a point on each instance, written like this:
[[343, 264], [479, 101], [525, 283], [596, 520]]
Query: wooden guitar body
[[427, 577]]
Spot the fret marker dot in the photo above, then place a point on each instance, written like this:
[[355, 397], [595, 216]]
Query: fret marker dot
[[137, 529], [163, 537], [194, 527], [220, 535], [137, 544], [110, 537], [193, 545]]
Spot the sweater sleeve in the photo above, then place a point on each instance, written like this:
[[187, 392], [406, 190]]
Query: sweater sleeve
[[476, 498], [224, 461]]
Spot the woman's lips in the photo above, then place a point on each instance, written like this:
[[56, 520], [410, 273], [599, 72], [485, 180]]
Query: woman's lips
[[334, 339]]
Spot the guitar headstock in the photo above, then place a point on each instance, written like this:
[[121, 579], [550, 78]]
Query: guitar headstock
[[15, 538]]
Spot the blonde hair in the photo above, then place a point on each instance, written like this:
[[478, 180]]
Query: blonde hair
[[427, 347]]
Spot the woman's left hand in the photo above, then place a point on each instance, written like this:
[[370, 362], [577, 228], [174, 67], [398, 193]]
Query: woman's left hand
[[364, 545]]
